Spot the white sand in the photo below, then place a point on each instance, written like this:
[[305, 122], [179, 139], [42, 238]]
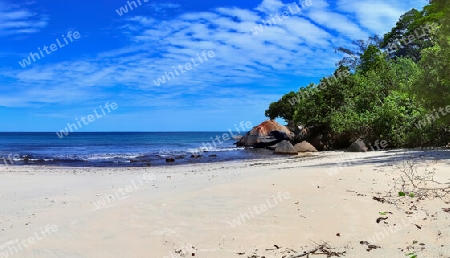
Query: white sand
[[191, 208]]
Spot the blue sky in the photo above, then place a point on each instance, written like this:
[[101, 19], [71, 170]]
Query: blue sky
[[117, 58]]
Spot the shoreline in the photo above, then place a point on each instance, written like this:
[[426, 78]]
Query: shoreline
[[191, 208], [210, 158]]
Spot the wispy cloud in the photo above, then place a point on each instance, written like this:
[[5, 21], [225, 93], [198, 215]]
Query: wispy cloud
[[161, 6], [378, 16], [270, 6], [164, 9], [15, 20], [300, 46]]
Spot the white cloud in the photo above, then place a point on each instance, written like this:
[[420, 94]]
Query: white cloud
[[18, 21], [378, 16], [270, 6], [298, 46], [338, 22], [241, 14], [158, 7]]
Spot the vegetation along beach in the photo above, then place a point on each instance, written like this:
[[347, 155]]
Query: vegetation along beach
[[220, 129]]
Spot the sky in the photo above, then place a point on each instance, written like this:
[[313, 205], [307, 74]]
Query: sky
[[61, 61]]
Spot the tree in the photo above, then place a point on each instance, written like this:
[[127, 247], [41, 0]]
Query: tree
[[282, 108], [352, 55], [434, 84], [408, 37], [386, 96]]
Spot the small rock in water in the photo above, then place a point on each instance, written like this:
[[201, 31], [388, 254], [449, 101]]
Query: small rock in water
[[170, 160]]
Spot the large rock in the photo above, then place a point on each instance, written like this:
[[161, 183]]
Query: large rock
[[304, 147], [357, 146], [299, 130], [279, 135], [320, 136], [285, 148], [265, 134], [318, 142], [315, 134]]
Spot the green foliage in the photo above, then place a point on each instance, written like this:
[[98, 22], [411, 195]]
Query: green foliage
[[395, 118], [397, 41], [372, 59], [319, 100], [388, 93], [282, 108], [404, 194], [352, 60], [412, 255], [434, 84]]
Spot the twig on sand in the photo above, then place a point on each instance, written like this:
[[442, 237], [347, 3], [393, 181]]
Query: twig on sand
[[324, 248], [416, 183], [321, 249]]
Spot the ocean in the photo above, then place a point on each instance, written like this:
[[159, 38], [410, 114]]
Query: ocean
[[121, 149]]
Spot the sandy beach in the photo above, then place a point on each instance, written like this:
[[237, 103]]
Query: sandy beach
[[259, 208]]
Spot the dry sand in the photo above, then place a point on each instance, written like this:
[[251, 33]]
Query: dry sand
[[182, 211]]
